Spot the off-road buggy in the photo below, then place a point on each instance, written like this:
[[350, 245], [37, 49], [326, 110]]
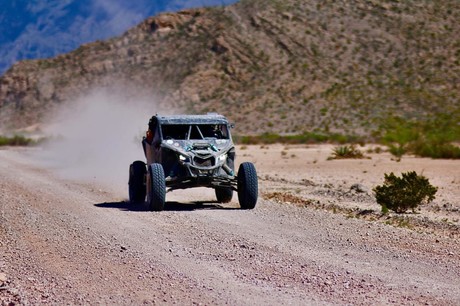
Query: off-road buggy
[[190, 151]]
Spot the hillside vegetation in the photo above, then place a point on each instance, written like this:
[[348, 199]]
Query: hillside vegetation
[[286, 67]]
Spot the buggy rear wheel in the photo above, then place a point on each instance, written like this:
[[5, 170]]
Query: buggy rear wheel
[[156, 187], [224, 195], [137, 182], [248, 187]]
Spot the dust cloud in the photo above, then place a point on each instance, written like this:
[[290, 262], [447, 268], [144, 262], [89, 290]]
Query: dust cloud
[[97, 138]]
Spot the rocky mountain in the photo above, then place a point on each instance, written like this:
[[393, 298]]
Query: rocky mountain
[[282, 66]]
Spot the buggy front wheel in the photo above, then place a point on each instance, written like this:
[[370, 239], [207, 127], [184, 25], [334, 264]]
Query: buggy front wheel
[[248, 187], [156, 187]]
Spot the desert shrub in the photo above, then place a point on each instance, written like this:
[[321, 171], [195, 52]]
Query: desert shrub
[[16, 140], [435, 149], [376, 150], [398, 134], [348, 151], [434, 137], [397, 150], [304, 138], [406, 192]]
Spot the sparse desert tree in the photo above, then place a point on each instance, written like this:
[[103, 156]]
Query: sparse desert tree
[[347, 151], [406, 192]]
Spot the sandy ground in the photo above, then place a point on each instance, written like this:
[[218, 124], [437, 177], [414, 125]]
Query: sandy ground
[[310, 240], [306, 172]]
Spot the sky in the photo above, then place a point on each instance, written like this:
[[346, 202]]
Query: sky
[[32, 29]]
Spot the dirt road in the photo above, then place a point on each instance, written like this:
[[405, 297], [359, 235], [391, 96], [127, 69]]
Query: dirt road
[[70, 242]]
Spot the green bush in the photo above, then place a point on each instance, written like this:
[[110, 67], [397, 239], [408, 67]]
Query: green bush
[[304, 138], [402, 193], [434, 137], [437, 150], [16, 140]]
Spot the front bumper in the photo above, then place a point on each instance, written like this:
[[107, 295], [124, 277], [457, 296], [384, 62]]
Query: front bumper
[[217, 176]]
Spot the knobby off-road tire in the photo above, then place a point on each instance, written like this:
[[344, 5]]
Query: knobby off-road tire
[[136, 182], [156, 188], [224, 195], [248, 187]]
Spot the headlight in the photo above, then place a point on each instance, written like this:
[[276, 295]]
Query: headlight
[[222, 158], [182, 157]]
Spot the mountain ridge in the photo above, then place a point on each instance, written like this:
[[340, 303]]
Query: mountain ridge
[[270, 66]]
